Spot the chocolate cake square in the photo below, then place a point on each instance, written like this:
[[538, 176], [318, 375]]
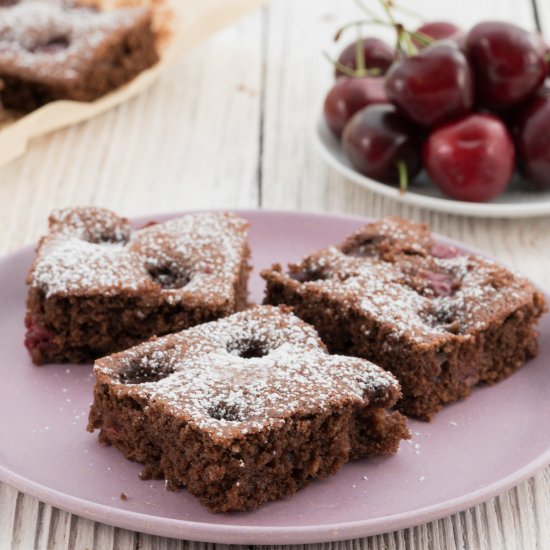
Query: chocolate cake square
[[52, 50], [244, 410], [98, 286], [440, 320]]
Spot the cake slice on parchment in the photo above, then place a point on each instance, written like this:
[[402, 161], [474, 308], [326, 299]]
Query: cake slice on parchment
[[51, 50]]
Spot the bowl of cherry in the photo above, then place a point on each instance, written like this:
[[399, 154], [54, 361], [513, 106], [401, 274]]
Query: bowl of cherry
[[453, 120]]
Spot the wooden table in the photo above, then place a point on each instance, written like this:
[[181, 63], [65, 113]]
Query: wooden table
[[231, 126]]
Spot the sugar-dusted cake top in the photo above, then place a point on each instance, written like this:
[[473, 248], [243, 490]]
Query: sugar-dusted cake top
[[53, 40], [92, 252], [245, 373], [395, 274]]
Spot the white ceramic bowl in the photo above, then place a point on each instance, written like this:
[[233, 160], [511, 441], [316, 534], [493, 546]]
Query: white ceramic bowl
[[516, 202]]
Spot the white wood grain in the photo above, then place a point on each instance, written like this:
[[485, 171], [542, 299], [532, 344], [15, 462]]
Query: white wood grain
[[227, 126], [543, 8]]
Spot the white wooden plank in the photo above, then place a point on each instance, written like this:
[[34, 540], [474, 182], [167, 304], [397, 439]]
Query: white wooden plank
[[42, 526], [82, 533], [525, 514], [26, 513], [125, 540], [541, 508], [543, 8], [8, 503], [60, 530], [104, 536]]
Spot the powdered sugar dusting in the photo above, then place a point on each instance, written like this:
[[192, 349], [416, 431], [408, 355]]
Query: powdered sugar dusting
[[68, 265], [209, 379], [53, 40], [91, 251]]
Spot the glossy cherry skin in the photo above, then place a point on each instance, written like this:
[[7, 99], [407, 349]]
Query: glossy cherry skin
[[507, 61], [471, 159], [439, 30], [377, 138], [432, 87], [532, 134], [378, 55], [349, 95]]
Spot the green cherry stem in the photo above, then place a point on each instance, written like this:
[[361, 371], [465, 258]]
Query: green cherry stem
[[348, 71], [360, 61], [419, 36], [547, 57], [403, 176]]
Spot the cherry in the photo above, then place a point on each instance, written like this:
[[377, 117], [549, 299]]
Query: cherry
[[381, 144], [378, 55], [533, 140], [439, 30], [471, 159], [433, 86], [507, 61], [349, 95]]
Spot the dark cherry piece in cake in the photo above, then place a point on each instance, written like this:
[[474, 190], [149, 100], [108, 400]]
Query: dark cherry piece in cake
[[97, 286], [53, 50], [244, 410], [440, 320]]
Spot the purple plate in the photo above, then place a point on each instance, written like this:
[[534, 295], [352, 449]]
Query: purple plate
[[470, 452]]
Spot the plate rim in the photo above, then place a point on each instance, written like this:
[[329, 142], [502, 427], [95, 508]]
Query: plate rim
[[447, 206], [249, 534]]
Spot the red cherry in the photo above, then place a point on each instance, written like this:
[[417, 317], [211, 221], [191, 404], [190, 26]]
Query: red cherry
[[377, 139], [507, 61], [532, 133], [349, 95], [471, 159], [439, 30], [432, 87], [378, 55]]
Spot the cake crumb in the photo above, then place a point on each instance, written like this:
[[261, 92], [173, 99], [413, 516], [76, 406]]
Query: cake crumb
[[123, 496]]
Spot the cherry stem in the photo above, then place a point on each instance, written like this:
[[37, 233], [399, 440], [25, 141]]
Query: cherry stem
[[387, 5], [403, 176], [348, 71], [547, 57], [419, 36], [404, 39], [360, 61]]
